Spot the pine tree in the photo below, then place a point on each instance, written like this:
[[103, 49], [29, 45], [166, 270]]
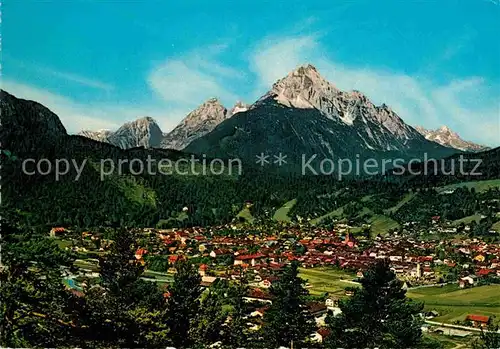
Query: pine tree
[[377, 315], [237, 335], [35, 308], [209, 325], [123, 310], [287, 320], [183, 303]]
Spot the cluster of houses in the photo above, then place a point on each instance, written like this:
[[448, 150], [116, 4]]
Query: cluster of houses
[[226, 252], [416, 262]]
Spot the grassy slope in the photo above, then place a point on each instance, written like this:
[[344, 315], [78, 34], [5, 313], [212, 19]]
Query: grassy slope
[[281, 214], [496, 226], [467, 220], [246, 215], [181, 216], [334, 214], [136, 192], [407, 198], [382, 224]]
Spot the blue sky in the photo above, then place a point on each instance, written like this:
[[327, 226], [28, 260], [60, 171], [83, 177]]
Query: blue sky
[[98, 64]]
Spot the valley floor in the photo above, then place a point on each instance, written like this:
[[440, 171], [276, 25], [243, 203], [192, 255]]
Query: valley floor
[[451, 302]]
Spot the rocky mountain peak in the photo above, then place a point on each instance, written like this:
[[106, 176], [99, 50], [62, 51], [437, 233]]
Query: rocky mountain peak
[[423, 131], [238, 108], [445, 136], [142, 132], [213, 100], [196, 124], [306, 69], [212, 109], [445, 129], [305, 88], [99, 135], [145, 120]]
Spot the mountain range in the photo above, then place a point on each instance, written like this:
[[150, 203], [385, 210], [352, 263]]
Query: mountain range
[[301, 111], [304, 115], [102, 184], [448, 138], [145, 132], [198, 123]]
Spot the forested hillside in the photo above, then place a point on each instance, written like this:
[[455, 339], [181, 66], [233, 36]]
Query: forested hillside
[[141, 198]]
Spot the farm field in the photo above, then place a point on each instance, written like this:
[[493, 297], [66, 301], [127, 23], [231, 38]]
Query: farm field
[[327, 280], [449, 342], [63, 243], [453, 303]]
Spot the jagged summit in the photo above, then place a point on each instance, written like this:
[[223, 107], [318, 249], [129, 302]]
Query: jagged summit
[[210, 109], [145, 119], [213, 100], [303, 112], [196, 124], [143, 132], [99, 135], [305, 88], [238, 107], [306, 68], [445, 136]]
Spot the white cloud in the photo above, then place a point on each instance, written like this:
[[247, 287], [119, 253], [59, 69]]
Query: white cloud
[[183, 83], [480, 119], [79, 79], [189, 80], [273, 58], [462, 104], [71, 77]]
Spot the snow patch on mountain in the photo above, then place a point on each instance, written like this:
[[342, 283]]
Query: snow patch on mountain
[[305, 88], [239, 107], [448, 138], [99, 135]]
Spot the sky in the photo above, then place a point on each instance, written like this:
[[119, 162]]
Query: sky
[[100, 63]]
